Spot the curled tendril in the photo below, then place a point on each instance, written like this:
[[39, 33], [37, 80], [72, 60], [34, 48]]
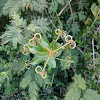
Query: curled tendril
[[73, 44], [68, 61], [27, 64], [58, 31], [68, 38], [38, 36], [63, 35], [42, 72], [32, 42], [26, 49]]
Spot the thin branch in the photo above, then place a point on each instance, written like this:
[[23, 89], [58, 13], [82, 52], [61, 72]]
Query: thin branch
[[63, 8], [93, 53], [73, 70], [50, 20], [58, 17], [94, 21], [79, 49], [71, 11], [52, 82]]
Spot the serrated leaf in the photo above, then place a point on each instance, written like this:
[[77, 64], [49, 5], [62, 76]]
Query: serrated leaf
[[75, 29], [25, 81], [91, 94], [81, 15], [73, 94], [33, 89], [39, 80], [79, 82]]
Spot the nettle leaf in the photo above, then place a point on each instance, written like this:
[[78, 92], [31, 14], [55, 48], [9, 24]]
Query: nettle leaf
[[29, 72], [81, 15], [25, 81], [91, 94], [75, 28]]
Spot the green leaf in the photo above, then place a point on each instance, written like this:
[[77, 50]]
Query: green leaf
[[81, 15], [25, 81], [53, 45], [95, 9], [39, 80], [99, 1], [36, 60], [91, 94], [79, 82], [60, 1], [33, 90], [12, 35], [40, 25], [75, 28], [45, 42], [82, 99], [52, 62], [73, 94]]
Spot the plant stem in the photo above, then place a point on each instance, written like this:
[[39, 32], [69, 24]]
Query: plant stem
[[46, 62], [63, 46], [43, 46]]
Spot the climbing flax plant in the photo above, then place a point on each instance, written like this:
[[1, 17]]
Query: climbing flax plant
[[46, 51]]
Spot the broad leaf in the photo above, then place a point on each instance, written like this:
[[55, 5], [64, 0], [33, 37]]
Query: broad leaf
[[36, 60], [95, 9]]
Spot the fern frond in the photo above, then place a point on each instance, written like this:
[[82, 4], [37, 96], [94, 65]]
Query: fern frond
[[19, 22], [17, 67], [73, 94], [12, 35], [25, 81], [39, 25], [2, 3], [13, 6], [38, 5], [91, 94], [33, 90], [74, 91], [79, 82]]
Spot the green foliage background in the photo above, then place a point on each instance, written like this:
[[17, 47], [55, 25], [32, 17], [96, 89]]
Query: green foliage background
[[80, 80]]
